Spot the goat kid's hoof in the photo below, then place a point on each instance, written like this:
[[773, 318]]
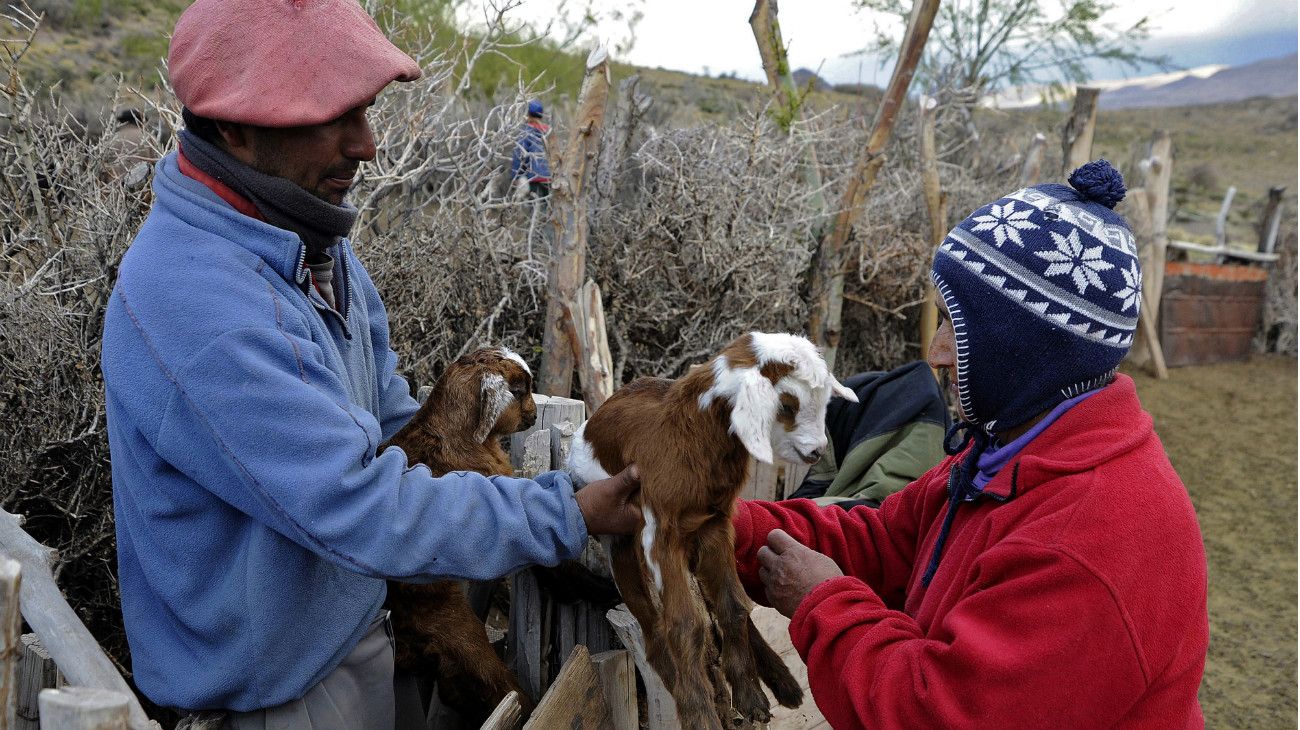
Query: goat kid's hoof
[[752, 706], [787, 692]]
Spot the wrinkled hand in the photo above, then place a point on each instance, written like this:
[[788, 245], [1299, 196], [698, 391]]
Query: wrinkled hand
[[791, 570], [605, 503]]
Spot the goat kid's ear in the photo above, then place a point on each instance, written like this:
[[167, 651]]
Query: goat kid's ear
[[753, 413], [842, 391], [495, 397]]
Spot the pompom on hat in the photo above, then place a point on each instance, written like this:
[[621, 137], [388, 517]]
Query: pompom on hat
[[281, 63], [1043, 290]]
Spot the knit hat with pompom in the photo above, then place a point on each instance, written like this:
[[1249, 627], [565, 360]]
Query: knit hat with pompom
[[1043, 289]]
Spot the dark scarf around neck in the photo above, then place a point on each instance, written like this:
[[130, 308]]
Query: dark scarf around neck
[[283, 203]]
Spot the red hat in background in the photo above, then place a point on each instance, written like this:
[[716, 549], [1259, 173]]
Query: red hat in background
[[281, 63]]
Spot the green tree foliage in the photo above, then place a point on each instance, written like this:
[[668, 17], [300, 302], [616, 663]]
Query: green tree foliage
[[549, 53], [982, 46]]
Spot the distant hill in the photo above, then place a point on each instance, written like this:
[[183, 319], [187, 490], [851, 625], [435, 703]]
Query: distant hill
[[1273, 77], [802, 77]]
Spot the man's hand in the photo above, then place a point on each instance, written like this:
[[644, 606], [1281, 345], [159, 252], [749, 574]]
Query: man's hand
[[605, 506], [790, 571]]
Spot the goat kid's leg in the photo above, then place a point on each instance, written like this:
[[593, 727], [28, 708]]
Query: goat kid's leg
[[726, 598], [630, 577], [772, 670], [683, 633], [439, 631]]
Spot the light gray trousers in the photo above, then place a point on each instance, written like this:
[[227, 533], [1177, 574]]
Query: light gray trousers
[[358, 695]]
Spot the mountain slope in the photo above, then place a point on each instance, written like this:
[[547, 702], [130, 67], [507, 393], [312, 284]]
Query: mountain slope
[[1273, 77]]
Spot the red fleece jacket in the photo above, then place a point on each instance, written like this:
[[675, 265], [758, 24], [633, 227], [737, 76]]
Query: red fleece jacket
[[1077, 601]]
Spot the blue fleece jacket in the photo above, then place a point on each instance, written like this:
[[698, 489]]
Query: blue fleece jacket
[[255, 524], [529, 158]]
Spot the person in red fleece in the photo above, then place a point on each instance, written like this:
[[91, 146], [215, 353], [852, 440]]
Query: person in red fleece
[[1050, 572]]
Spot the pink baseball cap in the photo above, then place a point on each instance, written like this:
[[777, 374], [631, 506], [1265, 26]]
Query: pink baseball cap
[[281, 63]]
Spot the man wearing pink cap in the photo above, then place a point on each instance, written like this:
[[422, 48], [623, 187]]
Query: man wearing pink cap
[[249, 381]]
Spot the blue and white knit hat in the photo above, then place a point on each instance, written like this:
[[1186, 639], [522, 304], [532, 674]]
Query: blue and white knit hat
[[1043, 289]]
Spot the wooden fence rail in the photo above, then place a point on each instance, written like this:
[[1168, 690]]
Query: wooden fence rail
[[97, 695]]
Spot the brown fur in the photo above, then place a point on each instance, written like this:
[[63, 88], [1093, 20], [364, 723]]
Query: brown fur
[[437, 632], [692, 470]]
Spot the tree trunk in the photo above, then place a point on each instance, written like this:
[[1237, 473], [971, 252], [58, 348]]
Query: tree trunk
[[827, 286], [785, 97]]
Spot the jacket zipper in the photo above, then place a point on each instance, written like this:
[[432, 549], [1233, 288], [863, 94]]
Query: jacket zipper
[[302, 275]]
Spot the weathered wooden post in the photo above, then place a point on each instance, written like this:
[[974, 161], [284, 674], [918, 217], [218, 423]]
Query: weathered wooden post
[[576, 701], [36, 671], [827, 285], [935, 206], [551, 411], [618, 679], [1271, 219], [1159, 168], [569, 206], [1031, 169], [761, 482], [10, 642], [1221, 221], [1076, 138], [83, 708], [661, 710], [73, 647], [534, 451], [1146, 349], [596, 366], [508, 715]]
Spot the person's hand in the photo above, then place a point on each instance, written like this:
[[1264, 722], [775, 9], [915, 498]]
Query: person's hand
[[605, 503], [790, 571]]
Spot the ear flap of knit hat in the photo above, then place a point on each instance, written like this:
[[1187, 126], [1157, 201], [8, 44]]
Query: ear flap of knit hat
[[281, 63], [1043, 288]]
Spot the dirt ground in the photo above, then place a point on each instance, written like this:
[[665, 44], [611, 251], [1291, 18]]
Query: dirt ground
[[1230, 431]]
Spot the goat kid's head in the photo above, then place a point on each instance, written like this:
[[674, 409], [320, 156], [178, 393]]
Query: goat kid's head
[[778, 386], [491, 390]]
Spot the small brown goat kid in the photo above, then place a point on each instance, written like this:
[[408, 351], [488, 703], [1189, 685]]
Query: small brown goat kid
[[482, 396], [764, 396]]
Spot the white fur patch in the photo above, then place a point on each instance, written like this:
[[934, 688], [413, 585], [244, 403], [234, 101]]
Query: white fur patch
[[582, 464], [509, 354], [496, 398], [647, 541], [753, 412]]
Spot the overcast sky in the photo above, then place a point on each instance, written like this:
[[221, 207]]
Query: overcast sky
[[695, 35]]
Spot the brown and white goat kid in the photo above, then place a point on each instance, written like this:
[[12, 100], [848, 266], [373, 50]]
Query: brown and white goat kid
[[482, 396], [764, 396]]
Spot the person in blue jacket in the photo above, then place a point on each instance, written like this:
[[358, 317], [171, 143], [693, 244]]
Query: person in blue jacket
[[249, 380], [529, 160]]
